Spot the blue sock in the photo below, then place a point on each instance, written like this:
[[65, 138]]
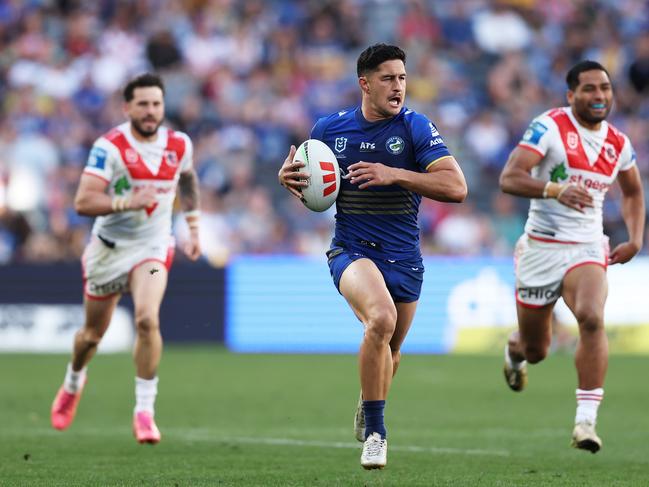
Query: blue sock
[[374, 418]]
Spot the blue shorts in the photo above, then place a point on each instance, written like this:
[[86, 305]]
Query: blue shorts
[[403, 278]]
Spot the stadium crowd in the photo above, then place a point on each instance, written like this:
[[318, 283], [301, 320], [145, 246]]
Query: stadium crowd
[[247, 78]]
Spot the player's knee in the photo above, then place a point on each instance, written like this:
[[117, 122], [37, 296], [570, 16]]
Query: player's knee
[[146, 323], [381, 323], [535, 354], [590, 320], [90, 336]]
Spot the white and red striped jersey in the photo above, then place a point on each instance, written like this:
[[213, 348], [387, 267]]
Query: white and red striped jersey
[[573, 154], [129, 165]]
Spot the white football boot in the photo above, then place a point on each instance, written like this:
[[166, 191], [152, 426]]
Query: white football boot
[[584, 437], [516, 378], [375, 452]]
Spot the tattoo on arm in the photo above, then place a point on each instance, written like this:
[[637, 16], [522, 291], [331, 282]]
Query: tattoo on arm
[[188, 190]]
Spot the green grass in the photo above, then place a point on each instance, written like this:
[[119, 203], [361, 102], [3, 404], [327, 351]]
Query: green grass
[[451, 422]]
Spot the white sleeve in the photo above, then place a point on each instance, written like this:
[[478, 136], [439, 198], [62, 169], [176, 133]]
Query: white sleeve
[[101, 160], [538, 136], [187, 161], [627, 157]]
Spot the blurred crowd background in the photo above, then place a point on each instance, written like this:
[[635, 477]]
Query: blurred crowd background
[[248, 78]]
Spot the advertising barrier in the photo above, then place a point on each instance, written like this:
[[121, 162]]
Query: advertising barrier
[[41, 308], [289, 304]]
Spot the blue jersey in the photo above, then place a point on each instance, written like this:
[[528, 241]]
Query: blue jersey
[[383, 218]]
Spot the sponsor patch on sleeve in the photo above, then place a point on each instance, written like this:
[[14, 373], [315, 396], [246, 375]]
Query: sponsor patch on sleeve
[[97, 158], [534, 132]]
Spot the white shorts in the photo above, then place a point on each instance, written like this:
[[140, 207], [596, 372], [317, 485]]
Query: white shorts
[[106, 269], [541, 266]]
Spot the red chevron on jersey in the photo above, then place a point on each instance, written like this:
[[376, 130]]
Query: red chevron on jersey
[[577, 159], [136, 167]]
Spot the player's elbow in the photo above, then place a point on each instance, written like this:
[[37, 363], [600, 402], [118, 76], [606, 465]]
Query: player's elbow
[[81, 205], [505, 183], [460, 193], [457, 192]]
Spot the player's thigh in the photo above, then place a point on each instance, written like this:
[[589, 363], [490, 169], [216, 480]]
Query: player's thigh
[[99, 312], [535, 325], [148, 282], [405, 315], [363, 286], [584, 290]]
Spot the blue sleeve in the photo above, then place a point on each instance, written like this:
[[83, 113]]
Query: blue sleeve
[[317, 132], [428, 143]]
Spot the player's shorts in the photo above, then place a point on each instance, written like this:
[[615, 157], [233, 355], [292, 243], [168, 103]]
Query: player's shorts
[[403, 278], [107, 265], [541, 266]]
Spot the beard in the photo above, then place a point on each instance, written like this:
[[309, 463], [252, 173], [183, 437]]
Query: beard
[[137, 126], [586, 115]]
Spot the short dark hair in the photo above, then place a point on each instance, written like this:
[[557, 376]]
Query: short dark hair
[[142, 81], [376, 54], [572, 78]]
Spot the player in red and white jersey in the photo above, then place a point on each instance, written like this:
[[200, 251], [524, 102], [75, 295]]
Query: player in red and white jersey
[[565, 163], [129, 183]]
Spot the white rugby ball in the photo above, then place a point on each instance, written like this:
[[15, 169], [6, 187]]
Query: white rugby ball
[[324, 175]]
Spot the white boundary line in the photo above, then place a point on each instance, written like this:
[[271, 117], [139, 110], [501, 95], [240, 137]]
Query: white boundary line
[[204, 435], [357, 446]]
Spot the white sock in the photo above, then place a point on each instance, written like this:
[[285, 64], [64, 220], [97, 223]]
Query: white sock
[[146, 391], [587, 405], [73, 381], [511, 362]]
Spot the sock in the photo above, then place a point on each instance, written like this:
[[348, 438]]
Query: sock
[[73, 381], [511, 362], [146, 391], [587, 404], [374, 418]]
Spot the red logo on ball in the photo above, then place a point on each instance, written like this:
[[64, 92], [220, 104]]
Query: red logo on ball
[[328, 178]]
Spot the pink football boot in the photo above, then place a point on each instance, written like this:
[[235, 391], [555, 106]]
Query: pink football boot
[[64, 408], [145, 429]]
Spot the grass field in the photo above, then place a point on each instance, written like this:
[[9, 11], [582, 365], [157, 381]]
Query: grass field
[[286, 420]]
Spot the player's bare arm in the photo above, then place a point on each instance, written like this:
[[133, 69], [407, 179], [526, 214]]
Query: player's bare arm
[[188, 194], [516, 180], [290, 176], [444, 180], [633, 212], [92, 200]]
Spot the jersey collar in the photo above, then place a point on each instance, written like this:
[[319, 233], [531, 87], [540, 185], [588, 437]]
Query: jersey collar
[[365, 124]]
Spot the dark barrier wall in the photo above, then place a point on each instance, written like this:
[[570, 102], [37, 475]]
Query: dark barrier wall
[[192, 310]]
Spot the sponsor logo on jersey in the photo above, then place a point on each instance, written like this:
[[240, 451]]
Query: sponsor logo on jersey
[[610, 154], [589, 183], [558, 173], [436, 141], [121, 185], [534, 132], [340, 144], [131, 156], [368, 146], [97, 158], [433, 130], [171, 157], [395, 145]]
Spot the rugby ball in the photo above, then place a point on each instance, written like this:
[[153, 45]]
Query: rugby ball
[[324, 174]]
